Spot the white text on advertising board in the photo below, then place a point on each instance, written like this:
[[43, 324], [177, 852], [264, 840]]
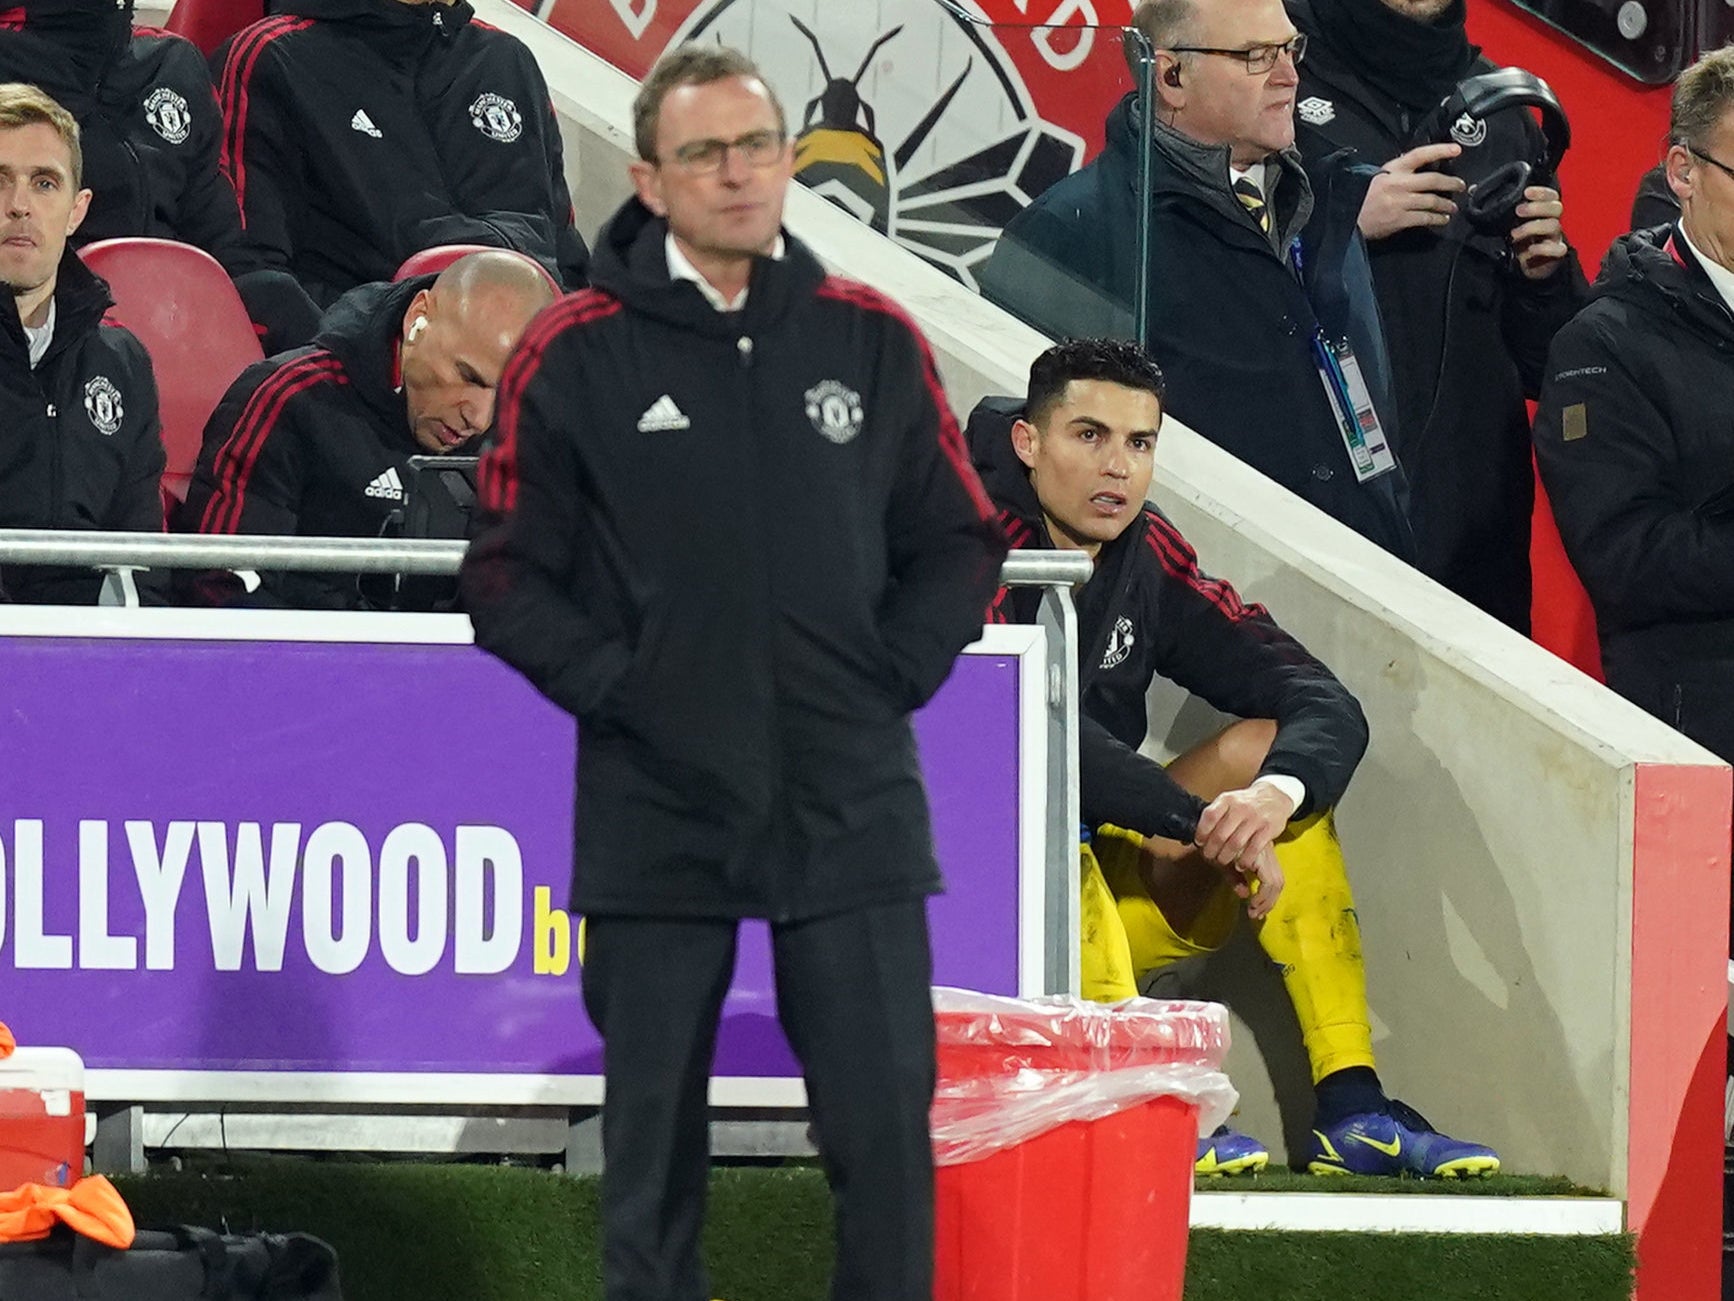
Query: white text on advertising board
[[419, 901]]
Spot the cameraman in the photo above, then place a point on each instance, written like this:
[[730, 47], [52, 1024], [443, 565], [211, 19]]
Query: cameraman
[[1469, 316]]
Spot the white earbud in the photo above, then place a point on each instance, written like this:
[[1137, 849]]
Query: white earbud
[[415, 328]]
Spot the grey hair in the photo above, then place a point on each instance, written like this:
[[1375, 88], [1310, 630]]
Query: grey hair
[[692, 64], [1702, 97], [1164, 23]]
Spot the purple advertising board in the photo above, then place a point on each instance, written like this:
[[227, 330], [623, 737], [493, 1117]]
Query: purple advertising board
[[352, 857]]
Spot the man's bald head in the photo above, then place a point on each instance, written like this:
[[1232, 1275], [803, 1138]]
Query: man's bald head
[[457, 335]]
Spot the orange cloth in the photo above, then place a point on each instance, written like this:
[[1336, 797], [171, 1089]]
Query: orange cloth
[[7, 1042], [91, 1206]]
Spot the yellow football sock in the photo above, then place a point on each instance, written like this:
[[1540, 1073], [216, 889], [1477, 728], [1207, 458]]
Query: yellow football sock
[[1314, 938], [1104, 960]]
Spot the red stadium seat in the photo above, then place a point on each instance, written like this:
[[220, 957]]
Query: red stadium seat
[[208, 23], [430, 261], [184, 309]]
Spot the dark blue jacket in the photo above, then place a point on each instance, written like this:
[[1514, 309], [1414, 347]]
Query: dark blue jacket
[[1231, 317]]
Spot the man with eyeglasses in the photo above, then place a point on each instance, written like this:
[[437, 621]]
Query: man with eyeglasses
[[1260, 303], [733, 529], [1469, 314], [1635, 433]]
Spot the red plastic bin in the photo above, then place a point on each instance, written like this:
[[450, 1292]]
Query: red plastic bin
[[1034, 1206]]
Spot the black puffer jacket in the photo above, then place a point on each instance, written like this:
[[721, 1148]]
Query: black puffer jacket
[[1635, 437], [359, 132], [1151, 612], [80, 445], [1229, 318], [1468, 332], [739, 548], [147, 116], [313, 442]]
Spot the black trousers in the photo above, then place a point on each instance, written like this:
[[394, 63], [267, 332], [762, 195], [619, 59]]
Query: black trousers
[[853, 998]]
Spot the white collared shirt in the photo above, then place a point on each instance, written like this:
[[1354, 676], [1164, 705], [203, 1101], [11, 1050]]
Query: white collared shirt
[[681, 268], [1256, 174], [40, 336], [1720, 276]]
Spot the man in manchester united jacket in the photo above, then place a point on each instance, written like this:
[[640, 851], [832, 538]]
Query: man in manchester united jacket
[[151, 133], [739, 539], [1171, 847], [80, 445], [359, 132], [317, 440]]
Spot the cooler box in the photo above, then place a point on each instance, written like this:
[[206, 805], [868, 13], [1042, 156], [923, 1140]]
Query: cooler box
[[41, 1118], [1064, 1134]]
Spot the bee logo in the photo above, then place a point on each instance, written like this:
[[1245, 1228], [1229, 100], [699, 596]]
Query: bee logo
[[838, 152]]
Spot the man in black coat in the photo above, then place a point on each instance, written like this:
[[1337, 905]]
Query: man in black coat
[[151, 134], [1246, 812], [359, 132], [736, 534], [1469, 315], [1256, 268], [317, 441], [80, 444], [1635, 433]]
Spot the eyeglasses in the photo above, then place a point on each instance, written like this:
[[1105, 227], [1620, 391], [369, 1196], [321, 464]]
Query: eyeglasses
[[1259, 59], [1714, 162], [759, 148]]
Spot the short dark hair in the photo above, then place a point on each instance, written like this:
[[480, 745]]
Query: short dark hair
[[1118, 361], [692, 64]]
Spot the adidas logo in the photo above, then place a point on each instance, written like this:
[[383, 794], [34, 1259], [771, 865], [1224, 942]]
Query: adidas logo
[[663, 417], [386, 485], [364, 124]]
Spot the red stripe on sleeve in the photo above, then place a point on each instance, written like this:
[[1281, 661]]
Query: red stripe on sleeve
[[1181, 562], [497, 475], [237, 78], [950, 436], [234, 462]]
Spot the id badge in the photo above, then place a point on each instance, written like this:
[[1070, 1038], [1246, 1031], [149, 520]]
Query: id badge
[[1352, 403]]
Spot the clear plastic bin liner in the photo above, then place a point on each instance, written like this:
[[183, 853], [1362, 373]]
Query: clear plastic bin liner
[[1011, 1069]]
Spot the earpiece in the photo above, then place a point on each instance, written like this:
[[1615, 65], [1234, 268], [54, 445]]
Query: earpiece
[[415, 328], [1172, 76]]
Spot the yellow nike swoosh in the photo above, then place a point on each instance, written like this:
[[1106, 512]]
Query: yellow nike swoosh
[[1392, 1148]]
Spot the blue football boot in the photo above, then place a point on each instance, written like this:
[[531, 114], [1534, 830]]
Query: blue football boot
[[1227, 1152], [1396, 1142]]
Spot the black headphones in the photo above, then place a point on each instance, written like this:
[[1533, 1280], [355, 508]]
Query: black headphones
[[1172, 76], [1496, 181]]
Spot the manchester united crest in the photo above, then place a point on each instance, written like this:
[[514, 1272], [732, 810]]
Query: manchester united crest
[[835, 410], [167, 112], [497, 118], [102, 404]]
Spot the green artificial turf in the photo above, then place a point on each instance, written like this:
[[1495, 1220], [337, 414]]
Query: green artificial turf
[[1288, 1181], [487, 1233], [1405, 1267]]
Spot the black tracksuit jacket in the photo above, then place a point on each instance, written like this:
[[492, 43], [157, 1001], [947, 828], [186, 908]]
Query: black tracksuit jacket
[[359, 132], [313, 442], [1149, 611], [80, 445], [740, 548], [1468, 333], [147, 116], [1635, 438]]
